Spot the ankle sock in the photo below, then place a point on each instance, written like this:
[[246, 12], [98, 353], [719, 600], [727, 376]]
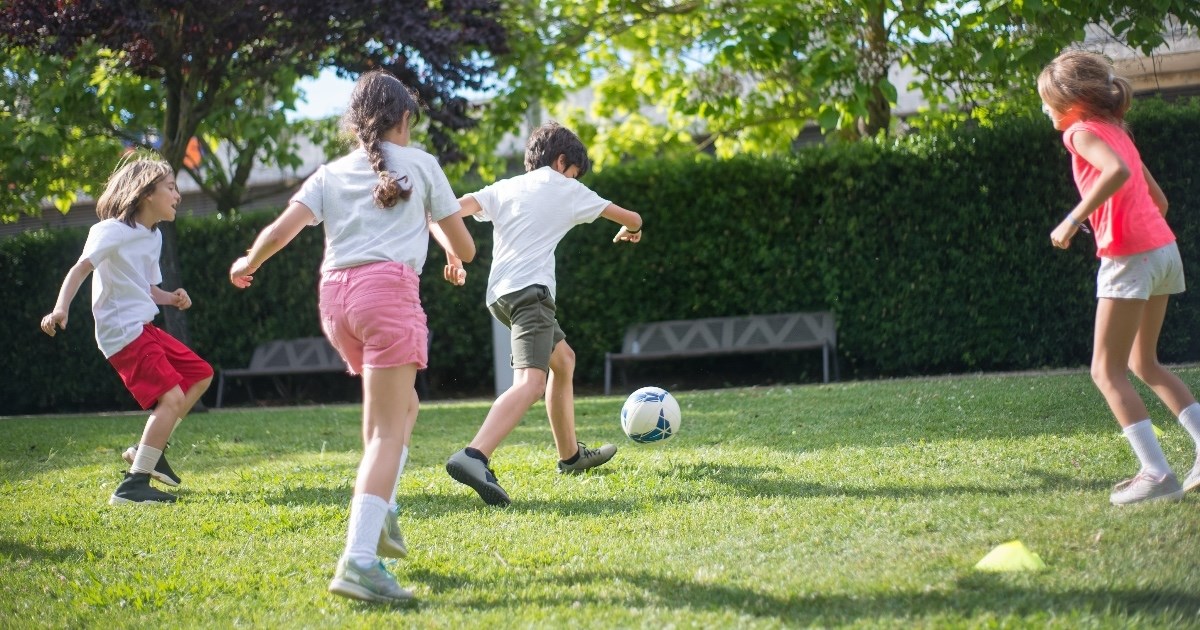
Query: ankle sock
[[1145, 445], [145, 459], [574, 458], [475, 453]]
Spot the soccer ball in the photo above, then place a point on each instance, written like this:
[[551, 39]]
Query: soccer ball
[[651, 414]]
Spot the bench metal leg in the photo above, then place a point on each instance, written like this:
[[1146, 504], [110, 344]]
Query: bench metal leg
[[825, 360], [220, 389], [607, 375]]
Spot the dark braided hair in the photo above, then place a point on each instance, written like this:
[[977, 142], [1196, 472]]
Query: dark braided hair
[[378, 104]]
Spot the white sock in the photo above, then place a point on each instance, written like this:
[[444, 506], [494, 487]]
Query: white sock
[[1145, 446], [145, 459], [403, 459], [362, 535], [1190, 419]]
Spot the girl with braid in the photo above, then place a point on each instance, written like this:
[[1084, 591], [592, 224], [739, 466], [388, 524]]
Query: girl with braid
[[377, 205]]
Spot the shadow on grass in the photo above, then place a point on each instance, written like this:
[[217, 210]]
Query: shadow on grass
[[19, 552], [761, 481], [973, 596]]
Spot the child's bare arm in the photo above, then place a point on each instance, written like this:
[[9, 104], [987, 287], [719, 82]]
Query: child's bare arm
[[272, 239], [631, 223], [66, 294], [177, 298]]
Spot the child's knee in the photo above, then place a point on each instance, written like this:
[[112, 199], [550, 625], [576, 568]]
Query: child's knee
[[563, 358]]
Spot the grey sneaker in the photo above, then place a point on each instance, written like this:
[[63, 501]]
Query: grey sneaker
[[391, 541], [1146, 487], [1192, 481], [373, 584], [135, 488], [588, 458], [472, 472], [162, 472]]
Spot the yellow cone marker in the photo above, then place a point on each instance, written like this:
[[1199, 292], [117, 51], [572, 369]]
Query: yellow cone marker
[[1011, 556], [1157, 431]]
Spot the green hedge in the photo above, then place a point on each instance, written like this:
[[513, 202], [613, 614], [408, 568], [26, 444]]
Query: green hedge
[[933, 252]]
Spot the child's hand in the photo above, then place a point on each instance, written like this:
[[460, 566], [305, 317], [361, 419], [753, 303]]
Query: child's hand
[[181, 300], [625, 235], [1061, 236], [58, 318], [240, 274], [455, 274]]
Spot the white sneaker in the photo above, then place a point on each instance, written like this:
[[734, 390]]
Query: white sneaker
[[370, 584], [1146, 487], [1192, 481]]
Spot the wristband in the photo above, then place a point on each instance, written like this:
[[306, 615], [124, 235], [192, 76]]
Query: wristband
[[637, 231], [1077, 224]]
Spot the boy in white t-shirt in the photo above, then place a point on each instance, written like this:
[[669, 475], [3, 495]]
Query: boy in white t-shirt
[[531, 214]]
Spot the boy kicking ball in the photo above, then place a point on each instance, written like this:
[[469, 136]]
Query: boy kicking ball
[[531, 214]]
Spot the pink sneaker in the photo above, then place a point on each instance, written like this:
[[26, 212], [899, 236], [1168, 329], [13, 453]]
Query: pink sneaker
[[1146, 487]]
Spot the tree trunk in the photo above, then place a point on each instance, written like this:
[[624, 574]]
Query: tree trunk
[[873, 72]]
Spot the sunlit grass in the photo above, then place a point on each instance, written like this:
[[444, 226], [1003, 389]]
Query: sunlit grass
[[858, 504]]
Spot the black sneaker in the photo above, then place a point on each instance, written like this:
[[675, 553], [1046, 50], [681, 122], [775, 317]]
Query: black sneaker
[[135, 488], [588, 458], [472, 472], [162, 472]]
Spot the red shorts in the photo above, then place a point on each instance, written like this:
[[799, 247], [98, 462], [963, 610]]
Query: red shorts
[[155, 363]]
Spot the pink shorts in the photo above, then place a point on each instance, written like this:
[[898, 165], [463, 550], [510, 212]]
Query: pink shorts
[[155, 363], [372, 315]]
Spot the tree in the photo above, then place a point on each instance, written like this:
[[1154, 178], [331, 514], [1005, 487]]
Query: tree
[[751, 75], [206, 54]]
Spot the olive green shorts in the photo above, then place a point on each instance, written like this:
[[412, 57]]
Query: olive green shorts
[[529, 315]]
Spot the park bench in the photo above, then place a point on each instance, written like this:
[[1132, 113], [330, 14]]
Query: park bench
[[726, 335], [307, 355]]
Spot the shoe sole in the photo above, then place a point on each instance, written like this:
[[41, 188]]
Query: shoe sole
[[490, 495], [1192, 486], [159, 477], [576, 471], [1173, 496], [388, 549], [116, 500], [354, 591]]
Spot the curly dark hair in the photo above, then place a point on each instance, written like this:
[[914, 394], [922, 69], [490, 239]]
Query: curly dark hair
[[551, 140]]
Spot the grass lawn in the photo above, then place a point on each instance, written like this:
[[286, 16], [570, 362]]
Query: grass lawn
[[859, 504]]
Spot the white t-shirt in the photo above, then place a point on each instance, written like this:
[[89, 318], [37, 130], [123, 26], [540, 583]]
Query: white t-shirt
[[126, 262], [532, 213], [357, 231]]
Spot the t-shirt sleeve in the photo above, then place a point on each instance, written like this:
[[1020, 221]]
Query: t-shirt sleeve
[[312, 194], [586, 204], [488, 200], [102, 241], [440, 201]]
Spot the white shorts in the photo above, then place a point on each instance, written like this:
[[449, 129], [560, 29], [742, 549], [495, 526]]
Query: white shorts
[[1141, 276]]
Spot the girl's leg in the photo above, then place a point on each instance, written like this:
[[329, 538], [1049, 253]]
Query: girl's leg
[[560, 400], [1117, 324], [1144, 359], [387, 394]]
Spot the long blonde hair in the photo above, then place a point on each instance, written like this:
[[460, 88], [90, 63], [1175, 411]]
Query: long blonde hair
[[1077, 78], [133, 181], [377, 104]]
